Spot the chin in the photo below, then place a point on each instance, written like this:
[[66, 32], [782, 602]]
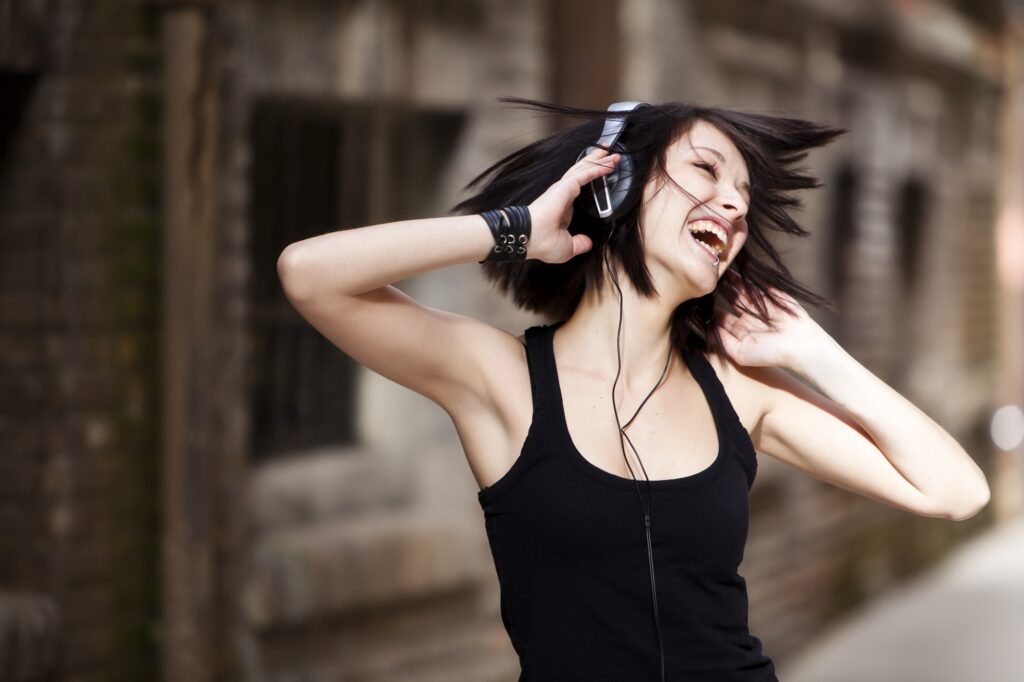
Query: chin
[[703, 277]]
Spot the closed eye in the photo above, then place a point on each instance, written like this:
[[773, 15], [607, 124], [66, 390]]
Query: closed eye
[[709, 167]]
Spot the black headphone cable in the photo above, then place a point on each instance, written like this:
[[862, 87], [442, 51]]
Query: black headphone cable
[[622, 433]]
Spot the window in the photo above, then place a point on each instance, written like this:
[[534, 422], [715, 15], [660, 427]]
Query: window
[[842, 237], [318, 167], [911, 224], [15, 91], [911, 208]]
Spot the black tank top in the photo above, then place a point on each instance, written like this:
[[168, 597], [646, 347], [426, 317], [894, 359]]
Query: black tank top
[[570, 552]]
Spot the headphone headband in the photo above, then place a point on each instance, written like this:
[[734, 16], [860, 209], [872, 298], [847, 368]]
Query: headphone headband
[[609, 191], [614, 126]]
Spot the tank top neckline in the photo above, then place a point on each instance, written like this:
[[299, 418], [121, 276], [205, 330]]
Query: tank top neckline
[[702, 371]]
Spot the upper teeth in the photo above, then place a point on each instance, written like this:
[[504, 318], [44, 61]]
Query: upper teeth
[[715, 229]]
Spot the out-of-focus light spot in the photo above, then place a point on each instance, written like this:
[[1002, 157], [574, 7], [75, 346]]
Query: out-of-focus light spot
[[1007, 427], [1010, 248]]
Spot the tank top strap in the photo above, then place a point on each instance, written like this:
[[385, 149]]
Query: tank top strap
[[724, 410], [539, 358], [708, 379]]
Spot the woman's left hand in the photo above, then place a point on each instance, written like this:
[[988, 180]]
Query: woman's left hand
[[750, 342]]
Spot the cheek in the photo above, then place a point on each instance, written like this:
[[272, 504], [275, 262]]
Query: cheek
[[736, 244]]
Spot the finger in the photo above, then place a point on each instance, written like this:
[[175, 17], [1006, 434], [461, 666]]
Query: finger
[[728, 332], [597, 157], [581, 243], [575, 181], [732, 324], [602, 159], [723, 323], [587, 173]]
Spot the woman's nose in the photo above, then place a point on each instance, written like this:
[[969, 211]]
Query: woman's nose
[[737, 210], [736, 205]]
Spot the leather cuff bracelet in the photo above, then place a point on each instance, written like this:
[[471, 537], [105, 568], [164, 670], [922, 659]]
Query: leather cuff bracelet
[[510, 227]]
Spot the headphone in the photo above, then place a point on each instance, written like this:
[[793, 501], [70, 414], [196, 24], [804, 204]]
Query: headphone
[[609, 192]]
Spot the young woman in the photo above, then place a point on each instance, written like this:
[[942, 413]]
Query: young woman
[[615, 563]]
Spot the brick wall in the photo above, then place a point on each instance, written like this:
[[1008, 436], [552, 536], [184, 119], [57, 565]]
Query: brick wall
[[816, 552], [79, 363], [78, 359]]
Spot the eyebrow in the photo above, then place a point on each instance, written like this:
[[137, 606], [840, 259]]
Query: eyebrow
[[721, 158]]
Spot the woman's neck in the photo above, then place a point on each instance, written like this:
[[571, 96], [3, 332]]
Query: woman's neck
[[587, 339]]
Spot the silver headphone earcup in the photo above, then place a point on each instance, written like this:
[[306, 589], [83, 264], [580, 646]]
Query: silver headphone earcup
[[605, 195]]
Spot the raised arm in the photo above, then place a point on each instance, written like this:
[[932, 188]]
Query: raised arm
[[340, 282], [854, 431]]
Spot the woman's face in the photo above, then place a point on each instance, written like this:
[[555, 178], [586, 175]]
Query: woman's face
[[707, 164]]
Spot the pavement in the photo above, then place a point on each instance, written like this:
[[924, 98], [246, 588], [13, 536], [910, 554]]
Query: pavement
[[963, 621]]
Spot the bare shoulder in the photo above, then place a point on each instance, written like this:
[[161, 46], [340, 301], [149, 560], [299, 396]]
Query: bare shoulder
[[501, 360], [756, 391], [493, 429], [745, 387], [475, 372]]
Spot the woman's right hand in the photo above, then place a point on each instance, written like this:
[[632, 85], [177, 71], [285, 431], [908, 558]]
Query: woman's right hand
[[551, 212]]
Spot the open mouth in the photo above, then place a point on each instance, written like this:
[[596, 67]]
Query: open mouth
[[710, 237]]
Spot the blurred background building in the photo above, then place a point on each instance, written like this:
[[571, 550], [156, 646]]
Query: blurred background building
[[195, 486]]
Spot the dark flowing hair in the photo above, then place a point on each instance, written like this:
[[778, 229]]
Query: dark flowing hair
[[771, 146]]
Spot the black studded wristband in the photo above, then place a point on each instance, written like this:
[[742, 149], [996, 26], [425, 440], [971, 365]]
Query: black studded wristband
[[510, 227]]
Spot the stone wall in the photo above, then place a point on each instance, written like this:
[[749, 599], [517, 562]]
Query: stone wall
[[78, 359], [919, 109], [368, 560]]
